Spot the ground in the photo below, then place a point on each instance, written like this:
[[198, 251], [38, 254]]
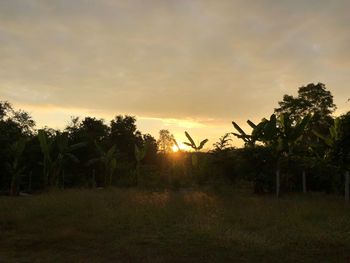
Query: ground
[[197, 225]]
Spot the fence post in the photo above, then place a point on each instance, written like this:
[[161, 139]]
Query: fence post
[[277, 183], [347, 185], [304, 182]]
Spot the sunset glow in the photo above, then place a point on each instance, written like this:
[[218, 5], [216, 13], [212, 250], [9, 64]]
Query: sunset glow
[[175, 148]]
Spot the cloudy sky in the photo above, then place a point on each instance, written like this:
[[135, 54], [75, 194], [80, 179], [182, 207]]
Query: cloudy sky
[[192, 65]]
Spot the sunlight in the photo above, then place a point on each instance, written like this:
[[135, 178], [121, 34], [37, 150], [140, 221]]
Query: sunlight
[[182, 147], [175, 148]]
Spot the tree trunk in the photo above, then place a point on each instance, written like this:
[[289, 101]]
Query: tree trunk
[[278, 182], [137, 173], [30, 182], [62, 179], [110, 177], [93, 178], [14, 185], [347, 185], [304, 181]]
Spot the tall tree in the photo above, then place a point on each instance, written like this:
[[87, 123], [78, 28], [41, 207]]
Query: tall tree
[[314, 100], [15, 125], [165, 141], [125, 135], [152, 148]]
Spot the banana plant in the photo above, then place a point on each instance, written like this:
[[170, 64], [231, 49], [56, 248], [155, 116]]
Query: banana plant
[[109, 161], [283, 136], [46, 148], [280, 134], [242, 135], [65, 154], [195, 147], [336, 151], [15, 167], [177, 145], [53, 167], [140, 154], [223, 143], [334, 134]]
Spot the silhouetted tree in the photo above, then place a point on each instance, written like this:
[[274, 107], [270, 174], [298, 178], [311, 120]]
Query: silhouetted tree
[[165, 141], [152, 147], [15, 125], [125, 135]]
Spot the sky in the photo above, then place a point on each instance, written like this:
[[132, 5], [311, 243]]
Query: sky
[[182, 65]]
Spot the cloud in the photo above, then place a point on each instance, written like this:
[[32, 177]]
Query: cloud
[[198, 60]]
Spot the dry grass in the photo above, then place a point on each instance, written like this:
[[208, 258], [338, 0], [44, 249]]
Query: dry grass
[[116, 225]]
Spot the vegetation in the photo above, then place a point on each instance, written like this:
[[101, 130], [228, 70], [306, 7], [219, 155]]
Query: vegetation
[[300, 138], [185, 206], [130, 225]]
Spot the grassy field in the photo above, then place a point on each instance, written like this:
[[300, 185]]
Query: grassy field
[[116, 225]]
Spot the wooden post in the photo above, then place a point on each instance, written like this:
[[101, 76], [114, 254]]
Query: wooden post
[[347, 185], [277, 183], [304, 182]]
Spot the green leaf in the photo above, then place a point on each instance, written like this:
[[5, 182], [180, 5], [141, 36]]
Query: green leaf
[[239, 129], [201, 145], [72, 157], [191, 140], [77, 146], [251, 124]]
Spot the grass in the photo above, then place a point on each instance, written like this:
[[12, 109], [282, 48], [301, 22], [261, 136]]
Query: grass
[[116, 225]]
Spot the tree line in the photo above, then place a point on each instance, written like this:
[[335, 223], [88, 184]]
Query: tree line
[[300, 143]]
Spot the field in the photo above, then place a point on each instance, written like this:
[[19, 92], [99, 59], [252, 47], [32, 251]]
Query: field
[[196, 225]]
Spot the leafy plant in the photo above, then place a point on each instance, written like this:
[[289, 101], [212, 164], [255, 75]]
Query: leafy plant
[[46, 148], [53, 167], [223, 143], [15, 166], [109, 161], [193, 145], [140, 154]]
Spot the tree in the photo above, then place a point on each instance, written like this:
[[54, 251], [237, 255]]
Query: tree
[[15, 125], [165, 141], [152, 148], [338, 142], [195, 147], [46, 143], [223, 143], [312, 99], [65, 154], [54, 161], [87, 130], [15, 166], [140, 154], [280, 134], [109, 161], [125, 135]]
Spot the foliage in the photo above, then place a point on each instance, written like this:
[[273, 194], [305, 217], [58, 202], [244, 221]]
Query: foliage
[[301, 137], [108, 160], [193, 145], [312, 99], [165, 141], [223, 143], [15, 167]]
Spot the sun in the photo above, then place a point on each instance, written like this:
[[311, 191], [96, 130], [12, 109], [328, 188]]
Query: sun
[[181, 146], [175, 148]]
